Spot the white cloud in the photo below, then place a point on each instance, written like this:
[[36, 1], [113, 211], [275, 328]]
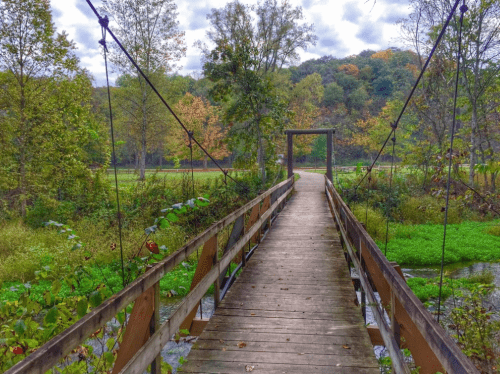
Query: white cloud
[[344, 27]]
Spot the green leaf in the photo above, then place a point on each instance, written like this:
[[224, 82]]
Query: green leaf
[[95, 299], [51, 316], [172, 217], [121, 317], [108, 356], [110, 344], [82, 307], [164, 223], [20, 327], [206, 196], [47, 296], [184, 331], [56, 287]]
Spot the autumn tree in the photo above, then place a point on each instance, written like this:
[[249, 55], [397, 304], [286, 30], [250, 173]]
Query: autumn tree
[[48, 131], [247, 52], [148, 29], [203, 120]]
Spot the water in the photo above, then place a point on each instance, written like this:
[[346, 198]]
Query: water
[[173, 351]]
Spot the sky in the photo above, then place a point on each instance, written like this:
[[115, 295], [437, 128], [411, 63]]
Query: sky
[[343, 27]]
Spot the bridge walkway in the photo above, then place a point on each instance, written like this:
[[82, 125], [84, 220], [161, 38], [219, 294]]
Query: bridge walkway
[[292, 308]]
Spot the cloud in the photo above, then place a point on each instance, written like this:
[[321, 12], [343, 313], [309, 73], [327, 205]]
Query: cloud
[[306, 4], [199, 18], [86, 38], [193, 63], [371, 33], [351, 12], [393, 15]]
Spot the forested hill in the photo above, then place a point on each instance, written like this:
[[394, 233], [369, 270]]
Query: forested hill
[[363, 81]]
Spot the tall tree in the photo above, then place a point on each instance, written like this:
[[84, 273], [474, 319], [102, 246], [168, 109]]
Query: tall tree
[[148, 29], [203, 120], [252, 43], [480, 53], [45, 98]]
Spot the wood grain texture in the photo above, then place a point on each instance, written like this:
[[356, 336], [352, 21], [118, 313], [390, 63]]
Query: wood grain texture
[[293, 305]]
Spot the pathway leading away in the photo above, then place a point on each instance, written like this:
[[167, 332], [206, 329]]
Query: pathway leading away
[[292, 309]]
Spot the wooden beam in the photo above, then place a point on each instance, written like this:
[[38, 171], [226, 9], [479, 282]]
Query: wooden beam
[[205, 263]]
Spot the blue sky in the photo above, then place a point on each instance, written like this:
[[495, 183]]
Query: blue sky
[[344, 27]]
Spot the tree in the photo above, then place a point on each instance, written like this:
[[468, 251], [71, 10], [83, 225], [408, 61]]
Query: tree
[[47, 128], [305, 99], [334, 94], [480, 54], [148, 29], [203, 120], [242, 64]]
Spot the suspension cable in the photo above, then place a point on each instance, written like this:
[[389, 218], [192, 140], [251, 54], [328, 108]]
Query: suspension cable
[[463, 9], [154, 88], [104, 25], [395, 125]]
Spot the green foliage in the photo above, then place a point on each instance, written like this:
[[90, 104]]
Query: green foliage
[[427, 209], [421, 245], [475, 328], [376, 223]]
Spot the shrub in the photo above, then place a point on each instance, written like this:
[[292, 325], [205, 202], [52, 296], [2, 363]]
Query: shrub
[[376, 223]]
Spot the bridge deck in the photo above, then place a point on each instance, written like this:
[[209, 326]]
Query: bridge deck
[[292, 308]]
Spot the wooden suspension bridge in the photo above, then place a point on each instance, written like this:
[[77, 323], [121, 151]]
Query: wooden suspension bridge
[[293, 308]]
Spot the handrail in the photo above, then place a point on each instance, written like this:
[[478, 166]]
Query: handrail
[[61, 345], [442, 345]]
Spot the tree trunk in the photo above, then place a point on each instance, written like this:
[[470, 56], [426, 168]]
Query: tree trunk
[[205, 162], [142, 174], [22, 155], [161, 160], [493, 182]]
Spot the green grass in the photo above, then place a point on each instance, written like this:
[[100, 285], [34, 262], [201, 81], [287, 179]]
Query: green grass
[[420, 245], [131, 177], [428, 288]]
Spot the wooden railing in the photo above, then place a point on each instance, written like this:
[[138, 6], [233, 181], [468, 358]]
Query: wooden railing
[[60, 346], [411, 325]]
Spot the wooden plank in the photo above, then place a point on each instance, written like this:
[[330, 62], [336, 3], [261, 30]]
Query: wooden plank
[[137, 331], [205, 263], [283, 358], [239, 367], [354, 341], [293, 306], [283, 347]]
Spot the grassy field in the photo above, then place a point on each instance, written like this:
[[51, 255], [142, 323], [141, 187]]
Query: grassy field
[[130, 177]]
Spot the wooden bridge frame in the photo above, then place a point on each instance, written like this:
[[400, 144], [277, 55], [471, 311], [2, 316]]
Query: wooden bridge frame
[[61, 345], [329, 147], [431, 347]]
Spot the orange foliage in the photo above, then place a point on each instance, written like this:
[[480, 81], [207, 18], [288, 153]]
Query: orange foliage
[[384, 55], [413, 69], [203, 120], [349, 69]]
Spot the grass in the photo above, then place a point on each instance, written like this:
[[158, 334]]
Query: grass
[[132, 177], [420, 245], [428, 288]]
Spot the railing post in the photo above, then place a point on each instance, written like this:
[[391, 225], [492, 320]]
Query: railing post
[[363, 292], [155, 324], [217, 281]]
